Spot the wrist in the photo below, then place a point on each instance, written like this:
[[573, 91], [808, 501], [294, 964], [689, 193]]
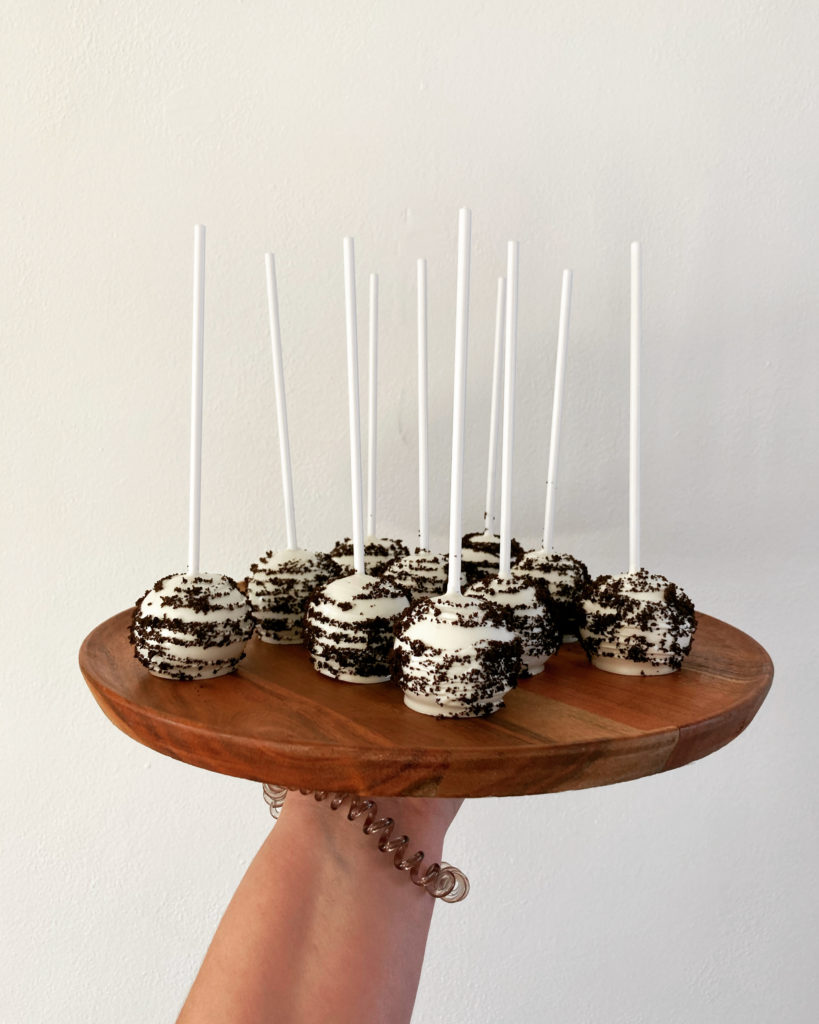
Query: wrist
[[317, 827]]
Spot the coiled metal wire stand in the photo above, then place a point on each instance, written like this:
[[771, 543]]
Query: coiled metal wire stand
[[441, 881]]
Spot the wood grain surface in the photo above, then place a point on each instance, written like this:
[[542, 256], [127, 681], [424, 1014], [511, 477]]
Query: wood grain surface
[[276, 720]]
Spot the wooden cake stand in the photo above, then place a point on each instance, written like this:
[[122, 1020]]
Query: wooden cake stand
[[276, 720]]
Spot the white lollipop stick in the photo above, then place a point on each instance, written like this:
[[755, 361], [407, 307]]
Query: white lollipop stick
[[423, 410], [634, 418], [557, 409], [459, 401], [195, 493], [281, 402], [494, 419], [372, 409], [353, 405], [511, 346]]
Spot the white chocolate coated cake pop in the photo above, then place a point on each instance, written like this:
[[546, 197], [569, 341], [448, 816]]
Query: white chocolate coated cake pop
[[192, 626], [378, 553], [422, 574], [565, 577], [636, 624], [455, 657], [521, 601], [480, 555], [348, 622], [279, 587], [525, 603], [281, 582], [348, 627]]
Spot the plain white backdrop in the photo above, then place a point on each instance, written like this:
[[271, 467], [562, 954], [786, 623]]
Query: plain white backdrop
[[686, 898]]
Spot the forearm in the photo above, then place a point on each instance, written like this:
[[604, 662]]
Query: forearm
[[322, 927]]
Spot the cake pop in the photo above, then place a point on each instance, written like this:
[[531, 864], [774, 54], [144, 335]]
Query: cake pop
[[349, 627], [424, 573], [348, 622], [455, 657], [378, 553], [278, 588], [192, 626], [421, 574], [565, 578], [636, 624], [481, 555], [525, 601], [480, 551], [281, 582], [564, 575]]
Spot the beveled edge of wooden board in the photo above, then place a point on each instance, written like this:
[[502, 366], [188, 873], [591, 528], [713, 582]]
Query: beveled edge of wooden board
[[491, 770]]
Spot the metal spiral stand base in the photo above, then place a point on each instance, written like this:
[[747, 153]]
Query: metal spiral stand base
[[442, 881]]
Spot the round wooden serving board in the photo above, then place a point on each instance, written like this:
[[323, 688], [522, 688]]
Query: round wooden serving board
[[276, 720]]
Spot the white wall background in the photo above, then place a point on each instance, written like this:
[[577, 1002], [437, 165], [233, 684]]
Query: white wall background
[[575, 127]]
